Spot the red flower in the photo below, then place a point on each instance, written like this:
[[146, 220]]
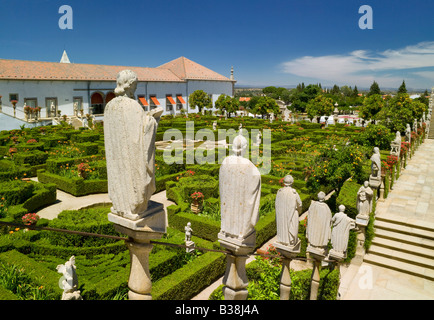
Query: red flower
[[30, 218], [197, 195]]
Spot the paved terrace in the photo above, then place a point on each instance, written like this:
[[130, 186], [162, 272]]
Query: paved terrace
[[410, 201]]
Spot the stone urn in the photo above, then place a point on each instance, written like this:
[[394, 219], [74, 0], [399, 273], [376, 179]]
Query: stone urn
[[196, 206], [197, 201]]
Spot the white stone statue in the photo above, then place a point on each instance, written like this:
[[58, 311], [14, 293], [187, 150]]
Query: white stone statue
[[240, 192], [240, 129], [188, 231], [408, 133], [376, 164], [188, 241], [69, 280], [395, 146], [341, 226], [415, 125], [318, 229], [364, 201], [52, 109], [288, 208], [129, 134], [214, 125], [75, 108], [258, 139]]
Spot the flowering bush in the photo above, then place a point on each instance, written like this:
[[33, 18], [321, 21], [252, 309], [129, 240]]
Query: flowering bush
[[404, 148], [83, 169], [189, 173], [392, 160], [32, 141], [30, 219], [197, 196], [12, 150]]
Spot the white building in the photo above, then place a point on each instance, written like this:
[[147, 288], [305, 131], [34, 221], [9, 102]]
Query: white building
[[41, 84]]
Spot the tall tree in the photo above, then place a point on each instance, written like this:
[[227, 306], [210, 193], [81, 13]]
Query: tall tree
[[372, 104], [200, 99], [319, 106], [402, 89], [227, 103], [266, 105], [375, 89]]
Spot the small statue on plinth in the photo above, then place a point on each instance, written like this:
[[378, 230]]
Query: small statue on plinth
[[188, 241], [69, 279]]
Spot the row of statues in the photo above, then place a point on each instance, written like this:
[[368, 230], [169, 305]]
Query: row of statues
[[130, 134]]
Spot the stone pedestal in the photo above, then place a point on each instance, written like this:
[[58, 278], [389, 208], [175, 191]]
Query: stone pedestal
[[140, 233], [362, 222], [375, 184], [318, 255], [235, 278], [288, 254], [189, 244]]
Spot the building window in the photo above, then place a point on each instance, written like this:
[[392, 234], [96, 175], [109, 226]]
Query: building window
[[169, 102], [49, 110], [179, 102], [79, 102], [31, 102], [143, 102], [13, 96], [153, 102]]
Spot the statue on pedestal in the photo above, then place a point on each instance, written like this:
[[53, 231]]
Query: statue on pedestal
[[364, 201], [318, 230], [129, 134], [240, 192], [375, 177], [288, 208], [408, 133], [395, 146], [341, 226]]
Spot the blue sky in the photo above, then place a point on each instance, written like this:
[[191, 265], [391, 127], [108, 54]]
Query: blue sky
[[268, 42]]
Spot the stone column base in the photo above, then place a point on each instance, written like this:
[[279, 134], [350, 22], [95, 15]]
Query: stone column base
[[140, 233]]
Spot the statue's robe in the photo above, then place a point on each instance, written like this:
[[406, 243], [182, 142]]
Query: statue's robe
[[129, 134], [240, 192], [364, 201], [288, 207], [318, 228], [376, 165], [342, 225]]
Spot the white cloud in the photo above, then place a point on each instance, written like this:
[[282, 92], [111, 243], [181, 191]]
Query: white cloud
[[362, 67]]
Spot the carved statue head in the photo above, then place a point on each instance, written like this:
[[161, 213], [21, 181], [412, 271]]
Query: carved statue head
[[321, 196], [376, 150], [126, 83], [239, 145], [366, 184], [288, 181], [341, 208]]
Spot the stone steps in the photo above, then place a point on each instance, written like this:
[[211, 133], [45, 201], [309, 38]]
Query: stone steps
[[403, 245]]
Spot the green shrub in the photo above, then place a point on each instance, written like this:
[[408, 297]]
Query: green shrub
[[86, 220], [32, 158], [203, 183], [16, 192]]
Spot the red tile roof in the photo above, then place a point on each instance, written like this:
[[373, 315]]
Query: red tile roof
[[177, 70], [189, 70]]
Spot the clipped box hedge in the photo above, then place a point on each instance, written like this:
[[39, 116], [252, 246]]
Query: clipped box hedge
[[75, 186], [39, 274]]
